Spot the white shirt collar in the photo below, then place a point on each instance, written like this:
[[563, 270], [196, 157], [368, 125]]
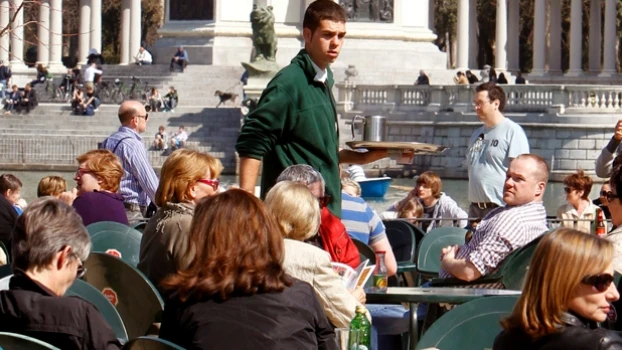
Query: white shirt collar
[[320, 75]]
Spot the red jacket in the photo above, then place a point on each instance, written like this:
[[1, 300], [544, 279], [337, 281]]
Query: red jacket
[[336, 241]]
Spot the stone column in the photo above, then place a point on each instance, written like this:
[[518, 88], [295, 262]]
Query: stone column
[[595, 41], [431, 9], [56, 35], [4, 21], [539, 38], [501, 39], [473, 43], [125, 32], [17, 36], [576, 17], [135, 27], [555, 32], [43, 33], [463, 35], [513, 35], [96, 25], [85, 28], [609, 59]]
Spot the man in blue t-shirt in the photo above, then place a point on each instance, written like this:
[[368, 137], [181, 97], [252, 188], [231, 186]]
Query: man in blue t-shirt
[[491, 148]]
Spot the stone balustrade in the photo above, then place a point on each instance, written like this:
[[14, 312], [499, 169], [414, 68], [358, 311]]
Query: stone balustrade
[[551, 99]]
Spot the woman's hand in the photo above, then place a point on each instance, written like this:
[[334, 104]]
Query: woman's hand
[[359, 294], [69, 196]]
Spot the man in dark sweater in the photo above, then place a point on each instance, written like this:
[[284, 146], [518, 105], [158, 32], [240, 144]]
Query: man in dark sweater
[[8, 216], [296, 119]]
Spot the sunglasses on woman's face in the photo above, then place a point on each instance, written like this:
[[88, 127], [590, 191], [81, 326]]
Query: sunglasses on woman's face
[[600, 282]]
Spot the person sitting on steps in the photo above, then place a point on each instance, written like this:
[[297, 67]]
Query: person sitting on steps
[[179, 139], [28, 101], [180, 59], [13, 100]]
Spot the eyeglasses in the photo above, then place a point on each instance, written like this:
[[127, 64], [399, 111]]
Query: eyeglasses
[[213, 183], [81, 269], [146, 116], [603, 193], [81, 171], [610, 195], [324, 201], [600, 282]]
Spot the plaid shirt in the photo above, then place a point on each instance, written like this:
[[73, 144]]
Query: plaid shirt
[[500, 233]]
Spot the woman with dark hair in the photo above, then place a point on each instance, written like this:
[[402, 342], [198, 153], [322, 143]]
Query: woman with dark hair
[[565, 294], [579, 212], [235, 293]]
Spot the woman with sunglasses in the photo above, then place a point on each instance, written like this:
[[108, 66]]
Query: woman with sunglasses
[[187, 176], [567, 291], [579, 212], [97, 182]]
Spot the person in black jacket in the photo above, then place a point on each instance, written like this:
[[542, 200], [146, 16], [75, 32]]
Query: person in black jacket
[[28, 101], [234, 294], [565, 294], [50, 245]]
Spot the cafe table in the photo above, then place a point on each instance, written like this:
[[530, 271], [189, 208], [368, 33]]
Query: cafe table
[[430, 295]]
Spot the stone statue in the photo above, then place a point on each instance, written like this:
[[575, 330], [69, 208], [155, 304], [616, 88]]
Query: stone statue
[[369, 10], [264, 37], [351, 72]]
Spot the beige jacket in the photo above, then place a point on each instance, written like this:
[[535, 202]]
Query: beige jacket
[[615, 236], [312, 265], [568, 213]]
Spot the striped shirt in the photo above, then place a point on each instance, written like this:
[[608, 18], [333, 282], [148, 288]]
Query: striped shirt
[[500, 233], [139, 182], [360, 220]]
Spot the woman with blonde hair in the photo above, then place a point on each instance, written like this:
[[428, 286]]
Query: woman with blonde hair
[[235, 293], [298, 213], [567, 291], [51, 186], [98, 179], [187, 176]]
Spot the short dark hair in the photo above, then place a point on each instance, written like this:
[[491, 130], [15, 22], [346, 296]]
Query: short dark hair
[[9, 182], [495, 92], [320, 10], [580, 182]]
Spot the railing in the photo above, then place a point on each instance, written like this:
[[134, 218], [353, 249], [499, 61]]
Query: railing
[[577, 99], [55, 151]]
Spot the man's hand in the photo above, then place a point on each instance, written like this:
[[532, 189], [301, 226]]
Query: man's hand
[[359, 294], [618, 131], [449, 252]]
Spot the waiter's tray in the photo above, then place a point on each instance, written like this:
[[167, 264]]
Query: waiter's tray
[[417, 147]]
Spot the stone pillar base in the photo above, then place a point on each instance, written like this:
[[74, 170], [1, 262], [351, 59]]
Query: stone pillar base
[[608, 74], [574, 73]]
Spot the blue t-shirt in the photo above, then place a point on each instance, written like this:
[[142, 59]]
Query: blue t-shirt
[[360, 220], [488, 158]]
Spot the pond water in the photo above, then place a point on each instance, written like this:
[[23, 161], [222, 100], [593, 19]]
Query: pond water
[[457, 189]]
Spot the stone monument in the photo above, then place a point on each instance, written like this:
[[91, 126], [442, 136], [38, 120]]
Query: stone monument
[[263, 66]]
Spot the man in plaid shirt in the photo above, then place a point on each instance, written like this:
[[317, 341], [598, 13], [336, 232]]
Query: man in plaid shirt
[[504, 229]]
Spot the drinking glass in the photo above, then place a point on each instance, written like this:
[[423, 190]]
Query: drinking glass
[[344, 336]]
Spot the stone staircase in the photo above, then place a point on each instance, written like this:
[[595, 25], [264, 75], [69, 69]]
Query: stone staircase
[[195, 86], [50, 136]]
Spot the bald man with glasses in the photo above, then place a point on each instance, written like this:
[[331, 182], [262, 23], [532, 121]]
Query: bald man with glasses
[[139, 182]]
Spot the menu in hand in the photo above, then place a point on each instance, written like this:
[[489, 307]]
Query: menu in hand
[[353, 278]]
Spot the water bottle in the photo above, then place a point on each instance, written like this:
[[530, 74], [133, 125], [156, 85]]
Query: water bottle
[[360, 329], [380, 277]]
